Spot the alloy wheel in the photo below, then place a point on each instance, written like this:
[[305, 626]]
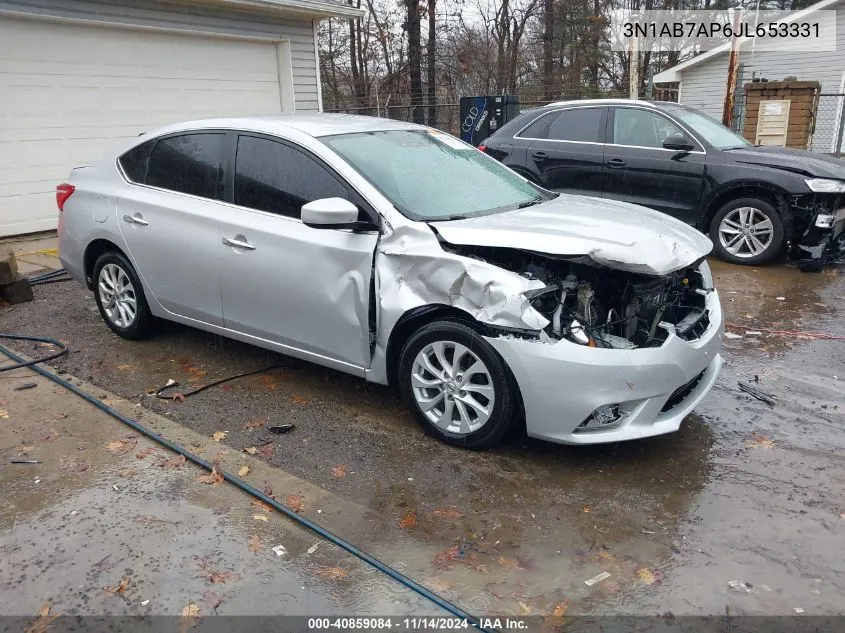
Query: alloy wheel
[[452, 387], [117, 295], [746, 232]]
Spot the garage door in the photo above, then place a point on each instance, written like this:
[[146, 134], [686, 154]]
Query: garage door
[[70, 93]]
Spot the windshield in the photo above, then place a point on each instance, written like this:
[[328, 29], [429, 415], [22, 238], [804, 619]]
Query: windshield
[[429, 175], [711, 130]]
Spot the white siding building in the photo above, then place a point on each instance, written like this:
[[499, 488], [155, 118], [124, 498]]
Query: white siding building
[[78, 77], [703, 79]]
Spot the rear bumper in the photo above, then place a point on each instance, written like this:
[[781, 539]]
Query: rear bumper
[[652, 389]]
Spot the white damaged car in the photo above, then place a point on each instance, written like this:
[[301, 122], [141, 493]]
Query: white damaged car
[[402, 255]]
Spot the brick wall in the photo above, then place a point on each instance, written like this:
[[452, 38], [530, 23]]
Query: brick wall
[[803, 96]]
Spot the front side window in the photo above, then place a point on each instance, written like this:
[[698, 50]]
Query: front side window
[[428, 175], [579, 125], [277, 178], [711, 130], [189, 163], [641, 128]]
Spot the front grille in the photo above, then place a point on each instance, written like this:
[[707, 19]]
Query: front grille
[[680, 394]]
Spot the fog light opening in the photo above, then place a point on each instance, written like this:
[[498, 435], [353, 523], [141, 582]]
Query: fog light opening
[[607, 416]]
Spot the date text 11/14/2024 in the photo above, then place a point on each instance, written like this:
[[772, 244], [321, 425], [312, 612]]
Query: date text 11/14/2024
[[409, 624]]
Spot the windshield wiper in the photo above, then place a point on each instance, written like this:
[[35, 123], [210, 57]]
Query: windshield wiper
[[532, 202]]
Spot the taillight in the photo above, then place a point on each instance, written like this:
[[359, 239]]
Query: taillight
[[483, 147], [63, 192]]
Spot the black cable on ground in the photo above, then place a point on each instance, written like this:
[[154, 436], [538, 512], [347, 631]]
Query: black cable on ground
[[40, 339], [183, 395], [234, 480]]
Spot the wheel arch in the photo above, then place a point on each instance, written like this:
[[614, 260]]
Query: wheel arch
[[415, 318], [92, 253], [768, 192]]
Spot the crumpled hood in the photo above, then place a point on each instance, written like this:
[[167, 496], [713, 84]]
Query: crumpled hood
[[794, 160], [615, 234]]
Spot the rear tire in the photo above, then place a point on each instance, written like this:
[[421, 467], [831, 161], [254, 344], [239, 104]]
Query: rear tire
[[120, 297], [747, 231], [457, 386]]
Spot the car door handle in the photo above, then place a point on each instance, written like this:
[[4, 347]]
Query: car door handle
[[236, 243], [616, 162], [135, 219], [539, 156]]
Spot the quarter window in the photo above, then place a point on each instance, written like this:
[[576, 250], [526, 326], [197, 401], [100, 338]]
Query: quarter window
[[277, 178], [189, 163], [642, 128], [134, 162], [577, 124]]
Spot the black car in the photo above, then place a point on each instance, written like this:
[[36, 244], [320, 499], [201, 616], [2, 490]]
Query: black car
[[755, 202]]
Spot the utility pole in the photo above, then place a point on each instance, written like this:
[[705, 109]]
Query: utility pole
[[633, 68], [733, 67]]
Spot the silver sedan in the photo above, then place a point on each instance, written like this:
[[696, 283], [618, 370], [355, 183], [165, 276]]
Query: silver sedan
[[402, 255]]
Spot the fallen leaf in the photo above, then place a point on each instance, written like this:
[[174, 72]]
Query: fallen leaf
[[121, 447], [212, 599], [295, 503], [4, 415], [42, 622], [119, 587], [193, 371], [560, 609], [213, 576], [218, 457], [219, 435], [144, 453], [842, 515], [254, 543], [339, 472], [244, 471], [255, 424], [259, 517], [24, 450], [75, 464], [524, 609], [508, 563], [330, 573], [267, 451], [269, 382], [250, 450], [177, 461], [760, 441], [128, 473], [587, 509], [649, 577], [457, 554], [189, 614], [260, 505], [408, 521], [213, 478], [126, 367], [299, 400], [447, 512], [178, 397], [604, 555], [269, 492]]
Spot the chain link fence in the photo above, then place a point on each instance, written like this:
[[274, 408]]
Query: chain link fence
[[829, 125]]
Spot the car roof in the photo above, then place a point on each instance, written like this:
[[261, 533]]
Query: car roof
[[312, 124]]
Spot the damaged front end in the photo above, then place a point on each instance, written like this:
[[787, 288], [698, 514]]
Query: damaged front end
[[818, 228], [597, 306]]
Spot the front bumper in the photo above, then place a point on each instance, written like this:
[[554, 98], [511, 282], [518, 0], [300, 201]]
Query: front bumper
[[563, 383], [823, 239]]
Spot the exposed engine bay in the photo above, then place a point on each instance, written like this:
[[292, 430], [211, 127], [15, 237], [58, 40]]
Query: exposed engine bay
[[597, 306]]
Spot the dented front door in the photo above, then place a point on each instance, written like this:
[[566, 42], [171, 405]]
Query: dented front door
[[281, 280]]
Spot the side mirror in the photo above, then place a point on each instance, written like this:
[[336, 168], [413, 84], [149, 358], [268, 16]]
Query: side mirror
[[329, 213], [678, 142]]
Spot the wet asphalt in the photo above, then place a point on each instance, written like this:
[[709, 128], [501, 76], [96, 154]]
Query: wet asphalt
[[745, 492]]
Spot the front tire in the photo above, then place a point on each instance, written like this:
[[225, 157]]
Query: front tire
[[747, 231], [120, 297], [456, 386]]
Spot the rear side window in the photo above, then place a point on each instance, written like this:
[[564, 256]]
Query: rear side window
[[134, 162], [538, 129], [577, 125], [189, 163], [277, 178]]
